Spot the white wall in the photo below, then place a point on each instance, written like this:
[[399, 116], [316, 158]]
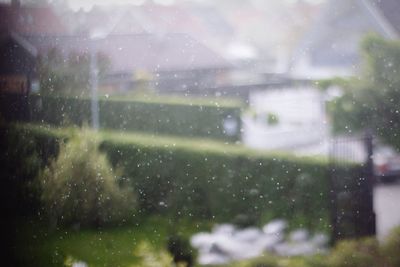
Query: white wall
[[292, 105], [387, 208], [303, 69], [300, 112]]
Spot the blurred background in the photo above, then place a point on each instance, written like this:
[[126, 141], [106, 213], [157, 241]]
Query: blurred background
[[198, 132]]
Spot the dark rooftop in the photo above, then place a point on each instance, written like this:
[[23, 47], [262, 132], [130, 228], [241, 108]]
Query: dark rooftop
[[29, 20]]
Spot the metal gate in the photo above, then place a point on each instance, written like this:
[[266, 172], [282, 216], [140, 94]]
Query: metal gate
[[351, 180]]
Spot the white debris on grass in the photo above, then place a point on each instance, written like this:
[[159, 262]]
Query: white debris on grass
[[79, 264], [226, 243]]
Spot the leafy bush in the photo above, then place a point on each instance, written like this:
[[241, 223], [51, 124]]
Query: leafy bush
[[363, 252], [355, 253], [151, 257], [80, 187]]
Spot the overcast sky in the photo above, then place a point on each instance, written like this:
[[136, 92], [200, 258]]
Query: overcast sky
[[87, 4], [76, 4]]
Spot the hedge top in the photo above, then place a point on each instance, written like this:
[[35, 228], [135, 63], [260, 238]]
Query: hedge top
[[195, 145], [167, 100]]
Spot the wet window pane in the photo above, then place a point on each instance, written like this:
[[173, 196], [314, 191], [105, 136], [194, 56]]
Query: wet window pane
[[200, 133]]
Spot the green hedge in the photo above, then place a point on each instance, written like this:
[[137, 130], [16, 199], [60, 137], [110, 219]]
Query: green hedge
[[212, 183], [213, 180], [23, 155], [183, 117]]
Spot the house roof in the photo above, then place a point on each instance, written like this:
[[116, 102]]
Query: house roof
[[18, 40], [17, 56], [29, 20], [159, 19], [154, 53], [197, 21], [206, 24], [334, 39]]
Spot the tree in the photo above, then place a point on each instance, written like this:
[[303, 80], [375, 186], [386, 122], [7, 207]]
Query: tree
[[373, 100], [60, 75]]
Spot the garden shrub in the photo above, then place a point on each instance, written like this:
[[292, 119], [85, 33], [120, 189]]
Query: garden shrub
[[355, 253], [151, 257], [366, 252], [80, 187]]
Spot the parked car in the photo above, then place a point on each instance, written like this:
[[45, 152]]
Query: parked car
[[386, 164]]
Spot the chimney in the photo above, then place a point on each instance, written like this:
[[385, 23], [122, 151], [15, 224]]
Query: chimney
[[15, 3]]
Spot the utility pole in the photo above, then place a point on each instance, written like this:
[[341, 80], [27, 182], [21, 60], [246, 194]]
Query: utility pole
[[94, 86]]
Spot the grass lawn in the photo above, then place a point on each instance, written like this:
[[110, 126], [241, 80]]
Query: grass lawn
[[113, 247]]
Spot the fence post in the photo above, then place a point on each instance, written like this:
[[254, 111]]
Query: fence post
[[333, 196], [367, 215]]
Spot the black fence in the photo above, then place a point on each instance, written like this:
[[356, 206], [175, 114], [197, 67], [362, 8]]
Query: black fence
[[351, 177], [14, 107]]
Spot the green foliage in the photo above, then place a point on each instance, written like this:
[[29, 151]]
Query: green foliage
[[270, 260], [272, 119], [372, 102], [68, 76], [221, 185], [391, 248], [355, 253], [80, 187], [327, 83], [347, 253], [37, 246], [366, 252], [21, 159], [183, 117], [176, 99], [151, 257], [217, 181]]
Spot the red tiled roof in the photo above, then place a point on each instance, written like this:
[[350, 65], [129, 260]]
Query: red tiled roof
[[29, 20]]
